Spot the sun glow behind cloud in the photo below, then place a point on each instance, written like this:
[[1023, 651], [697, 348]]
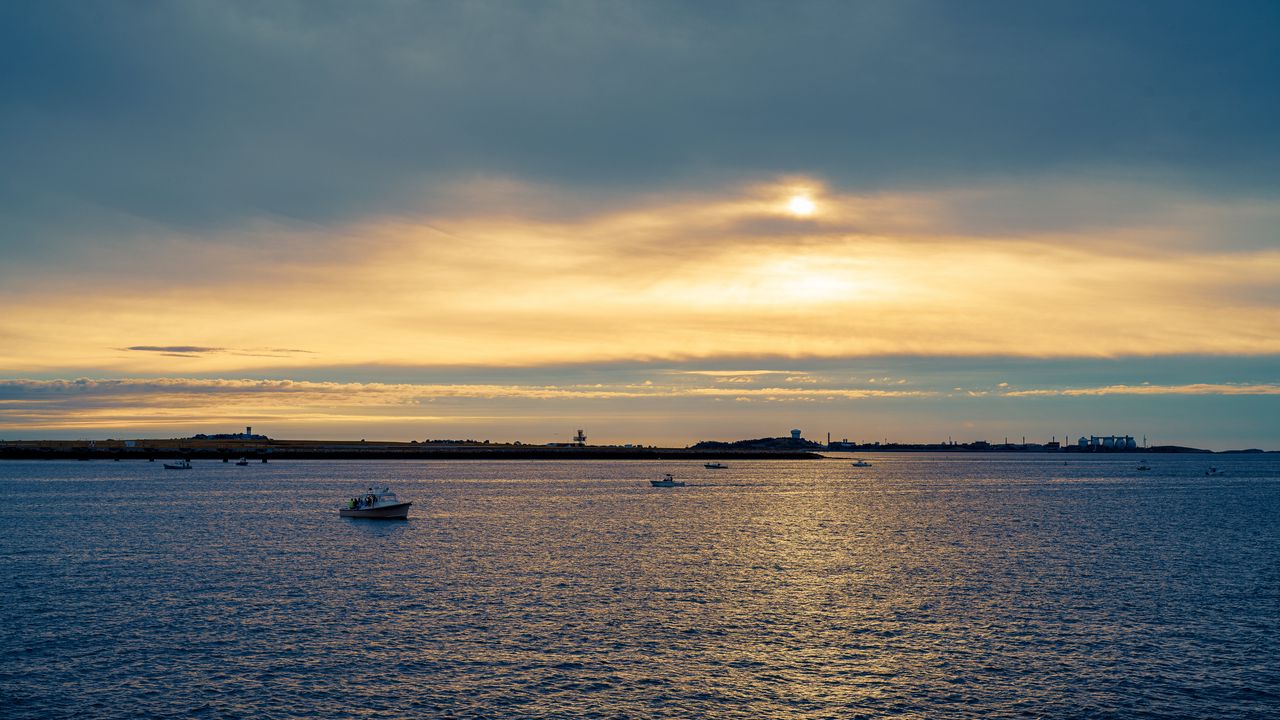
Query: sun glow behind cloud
[[722, 275], [801, 205]]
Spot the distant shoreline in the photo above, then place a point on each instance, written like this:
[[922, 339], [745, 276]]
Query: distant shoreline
[[270, 450], [259, 447], [320, 451]]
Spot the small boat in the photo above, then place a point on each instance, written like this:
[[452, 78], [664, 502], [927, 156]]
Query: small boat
[[242, 462], [715, 466], [376, 503], [1213, 471], [180, 465], [862, 463], [667, 481], [1144, 467]]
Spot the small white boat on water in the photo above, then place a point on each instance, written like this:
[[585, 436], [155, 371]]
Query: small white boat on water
[[242, 462], [715, 466], [667, 481], [376, 503], [861, 463], [180, 465]]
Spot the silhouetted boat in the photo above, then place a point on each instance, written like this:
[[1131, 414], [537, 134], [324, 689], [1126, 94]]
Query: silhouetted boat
[[377, 504], [861, 463], [180, 465], [666, 481], [715, 466], [1144, 467], [242, 462]]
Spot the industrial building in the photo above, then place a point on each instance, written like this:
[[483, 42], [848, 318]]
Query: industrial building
[[1096, 443]]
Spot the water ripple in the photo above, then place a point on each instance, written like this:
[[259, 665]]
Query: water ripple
[[931, 586]]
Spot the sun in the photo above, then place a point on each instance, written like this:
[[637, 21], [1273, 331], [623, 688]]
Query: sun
[[801, 205]]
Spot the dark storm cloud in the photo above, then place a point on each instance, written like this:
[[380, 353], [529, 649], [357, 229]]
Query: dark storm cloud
[[120, 118]]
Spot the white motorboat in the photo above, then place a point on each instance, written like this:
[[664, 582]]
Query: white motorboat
[[862, 463], [715, 466], [667, 481], [376, 503], [180, 465], [242, 462]]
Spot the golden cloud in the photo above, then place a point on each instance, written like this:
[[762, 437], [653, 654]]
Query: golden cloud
[[727, 274]]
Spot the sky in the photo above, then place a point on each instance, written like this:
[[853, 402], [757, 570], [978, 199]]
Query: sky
[[660, 222]]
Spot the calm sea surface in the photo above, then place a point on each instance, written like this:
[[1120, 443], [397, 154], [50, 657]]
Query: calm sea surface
[[925, 586]]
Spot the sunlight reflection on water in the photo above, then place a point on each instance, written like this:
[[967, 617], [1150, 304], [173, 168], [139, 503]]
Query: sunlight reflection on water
[[923, 586]]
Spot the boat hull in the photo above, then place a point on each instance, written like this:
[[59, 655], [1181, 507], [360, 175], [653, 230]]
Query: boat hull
[[388, 512], [663, 483]]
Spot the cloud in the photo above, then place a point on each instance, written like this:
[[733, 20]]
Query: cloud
[[1189, 389], [329, 114], [731, 373], [193, 389], [527, 404], [170, 402], [191, 351], [185, 349], [615, 286], [50, 403]]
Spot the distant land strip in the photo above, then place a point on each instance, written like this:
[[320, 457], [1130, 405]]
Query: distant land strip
[[260, 447], [320, 450]]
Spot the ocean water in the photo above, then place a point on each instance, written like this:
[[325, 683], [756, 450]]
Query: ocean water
[[926, 586]]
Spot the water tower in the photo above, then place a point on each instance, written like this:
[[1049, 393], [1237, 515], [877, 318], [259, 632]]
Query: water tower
[[580, 439], [795, 434]]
